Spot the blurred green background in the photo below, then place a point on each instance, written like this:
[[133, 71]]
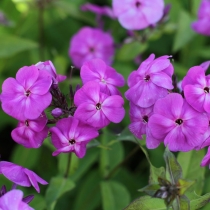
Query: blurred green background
[[110, 174]]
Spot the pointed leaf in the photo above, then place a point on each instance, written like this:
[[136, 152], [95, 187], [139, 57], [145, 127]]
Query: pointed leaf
[[57, 187], [199, 202], [150, 189], [184, 185], [173, 169], [181, 203]]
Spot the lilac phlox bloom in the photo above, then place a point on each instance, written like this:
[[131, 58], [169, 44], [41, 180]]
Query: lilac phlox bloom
[[151, 81], [28, 95], [49, 67], [177, 123], [138, 14], [202, 25], [98, 109], [31, 133], [196, 87], [71, 135], [108, 78], [91, 43], [12, 200], [205, 65], [21, 176], [139, 124], [57, 112], [99, 10], [206, 160]]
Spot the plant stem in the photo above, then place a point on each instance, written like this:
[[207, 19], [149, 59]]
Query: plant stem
[[68, 166]]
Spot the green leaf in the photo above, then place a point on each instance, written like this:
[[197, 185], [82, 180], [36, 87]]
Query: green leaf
[[199, 201], [57, 187], [155, 173], [173, 168], [131, 50], [147, 203], [190, 163], [11, 45], [114, 195], [184, 32], [184, 185], [181, 203], [150, 189], [27, 158]]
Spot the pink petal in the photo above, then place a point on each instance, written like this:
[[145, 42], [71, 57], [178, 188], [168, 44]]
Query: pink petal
[[162, 80], [27, 76], [80, 150]]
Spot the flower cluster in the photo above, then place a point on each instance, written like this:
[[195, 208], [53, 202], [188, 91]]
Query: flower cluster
[[202, 25], [180, 123]]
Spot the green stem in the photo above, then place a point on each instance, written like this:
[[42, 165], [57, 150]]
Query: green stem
[[68, 165]]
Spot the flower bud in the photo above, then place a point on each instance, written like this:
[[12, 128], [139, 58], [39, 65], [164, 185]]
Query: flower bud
[[57, 112]]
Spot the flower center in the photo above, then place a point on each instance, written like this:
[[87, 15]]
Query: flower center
[[179, 121], [206, 90], [27, 93], [147, 78], [103, 80], [27, 123], [145, 119], [91, 49], [138, 4], [72, 141], [98, 106]]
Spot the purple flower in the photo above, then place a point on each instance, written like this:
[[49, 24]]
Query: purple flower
[[49, 67], [106, 76], [98, 109], [31, 133], [205, 65], [21, 176], [28, 95], [70, 135], [150, 82], [206, 159], [91, 43], [139, 124], [138, 14], [202, 25], [99, 10], [12, 200], [177, 123], [196, 88]]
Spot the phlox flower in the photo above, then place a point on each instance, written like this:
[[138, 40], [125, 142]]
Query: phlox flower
[[12, 200], [139, 124], [196, 87], [98, 109], [202, 25], [28, 95], [177, 124], [31, 133], [49, 67], [21, 176], [99, 10], [206, 160], [138, 14], [71, 135], [89, 43], [108, 78], [151, 81]]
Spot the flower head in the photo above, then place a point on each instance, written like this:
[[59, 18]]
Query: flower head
[[108, 78], [49, 67], [202, 25], [28, 95], [20, 176], [139, 124], [138, 14], [31, 133], [71, 135], [177, 123], [98, 109], [12, 200], [91, 43], [151, 81], [196, 87]]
